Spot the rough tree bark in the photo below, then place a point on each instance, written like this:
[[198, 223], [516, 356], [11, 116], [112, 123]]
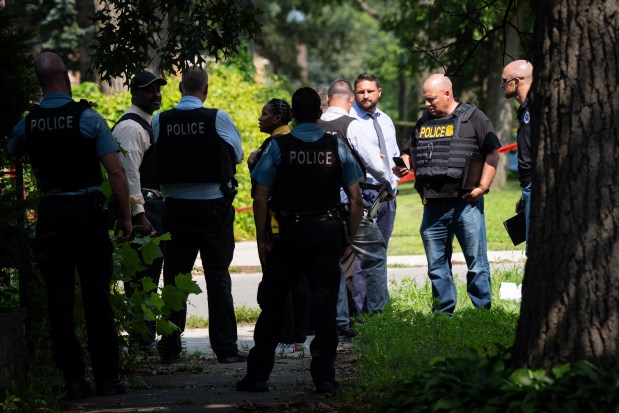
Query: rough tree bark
[[570, 294]]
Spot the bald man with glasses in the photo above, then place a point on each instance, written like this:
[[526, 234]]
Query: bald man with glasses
[[516, 82]]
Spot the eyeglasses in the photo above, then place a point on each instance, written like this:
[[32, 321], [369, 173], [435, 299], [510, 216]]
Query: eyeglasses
[[509, 79]]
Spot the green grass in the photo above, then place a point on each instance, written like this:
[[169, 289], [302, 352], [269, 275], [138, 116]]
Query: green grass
[[243, 313], [499, 205], [406, 337]]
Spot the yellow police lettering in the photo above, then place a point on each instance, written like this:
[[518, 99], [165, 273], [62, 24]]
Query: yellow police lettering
[[440, 131]]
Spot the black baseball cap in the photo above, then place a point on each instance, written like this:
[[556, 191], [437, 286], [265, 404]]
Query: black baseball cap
[[145, 79]]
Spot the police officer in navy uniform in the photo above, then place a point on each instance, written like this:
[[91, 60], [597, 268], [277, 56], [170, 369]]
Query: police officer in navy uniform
[[302, 172], [65, 141], [197, 153], [449, 140]]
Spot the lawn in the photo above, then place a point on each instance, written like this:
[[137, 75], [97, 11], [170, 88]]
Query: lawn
[[499, 206]]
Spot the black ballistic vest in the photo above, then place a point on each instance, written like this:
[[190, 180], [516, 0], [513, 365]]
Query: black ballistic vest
[[189, 149], [148, 167], [339, 127], [62, 159], [309, 175], [440, 151]]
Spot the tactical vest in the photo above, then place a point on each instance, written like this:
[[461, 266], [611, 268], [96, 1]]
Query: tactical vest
[[189, 149], [440, 151], [63, 160], [339, 127], [309, 175], [148, 167]]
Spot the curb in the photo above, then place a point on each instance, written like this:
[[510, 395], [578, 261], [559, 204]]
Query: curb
[[246, 259]]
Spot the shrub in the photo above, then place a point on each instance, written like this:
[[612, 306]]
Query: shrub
[[474, 383]]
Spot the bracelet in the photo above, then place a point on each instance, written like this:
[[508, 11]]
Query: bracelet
[[486, 190]]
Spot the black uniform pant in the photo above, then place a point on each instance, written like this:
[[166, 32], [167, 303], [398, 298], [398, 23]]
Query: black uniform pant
[[205, 226], [72, 234], [297, 312], [313, 249]]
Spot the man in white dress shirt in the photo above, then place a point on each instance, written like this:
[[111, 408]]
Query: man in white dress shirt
[[383, 140]]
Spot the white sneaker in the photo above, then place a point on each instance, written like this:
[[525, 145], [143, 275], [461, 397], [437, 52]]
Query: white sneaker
[[283, 348]]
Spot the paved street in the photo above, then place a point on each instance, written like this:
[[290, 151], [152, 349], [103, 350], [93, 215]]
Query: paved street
[[246, 277], [245, 284]]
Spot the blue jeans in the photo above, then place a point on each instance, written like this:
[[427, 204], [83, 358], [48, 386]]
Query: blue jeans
[[526, 199], [442, 219]]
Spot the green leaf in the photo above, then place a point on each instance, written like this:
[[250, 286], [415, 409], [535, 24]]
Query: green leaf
[[446, 404], [157, 301], [186, 284], [521, 377], [148, 284], [173, 298], [130, 261], [165, 328], [150, 251], [148, 313]]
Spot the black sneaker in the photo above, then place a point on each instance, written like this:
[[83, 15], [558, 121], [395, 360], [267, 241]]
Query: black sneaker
[[112, 387], [238, 357], [327, 387], [169, 358], [345, 334], [246, 384], [77, 388]]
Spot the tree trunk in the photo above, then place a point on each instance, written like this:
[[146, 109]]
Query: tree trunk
[[570, 293], [85, 10]]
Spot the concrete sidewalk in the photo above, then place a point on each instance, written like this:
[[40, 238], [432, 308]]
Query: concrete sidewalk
[[246, 258]]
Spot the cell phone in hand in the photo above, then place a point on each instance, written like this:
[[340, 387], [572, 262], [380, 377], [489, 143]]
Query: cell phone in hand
[[399, 161]]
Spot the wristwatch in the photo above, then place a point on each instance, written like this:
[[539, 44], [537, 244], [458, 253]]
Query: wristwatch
[[486, 190]]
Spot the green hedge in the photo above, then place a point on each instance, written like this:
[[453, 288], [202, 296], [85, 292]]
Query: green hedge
[[228, 90]]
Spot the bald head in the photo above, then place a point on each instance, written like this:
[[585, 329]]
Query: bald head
[[438, 82], [52, 73], [516, 80], [438, 95], [520, 68]]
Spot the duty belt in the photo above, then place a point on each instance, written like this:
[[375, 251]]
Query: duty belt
[[308, 217], [376, 187]]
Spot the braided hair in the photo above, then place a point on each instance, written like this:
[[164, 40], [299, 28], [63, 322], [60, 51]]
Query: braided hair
[[282, 108]]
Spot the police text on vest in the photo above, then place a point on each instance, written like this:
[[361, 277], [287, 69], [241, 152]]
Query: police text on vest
[[54, 123], [192, 128], [311, 158]]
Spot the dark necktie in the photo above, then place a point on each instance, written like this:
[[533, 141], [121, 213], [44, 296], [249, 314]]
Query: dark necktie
[[381, 140]]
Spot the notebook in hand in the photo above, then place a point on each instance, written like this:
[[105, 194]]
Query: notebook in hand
[[516, 227], [472, 171]]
